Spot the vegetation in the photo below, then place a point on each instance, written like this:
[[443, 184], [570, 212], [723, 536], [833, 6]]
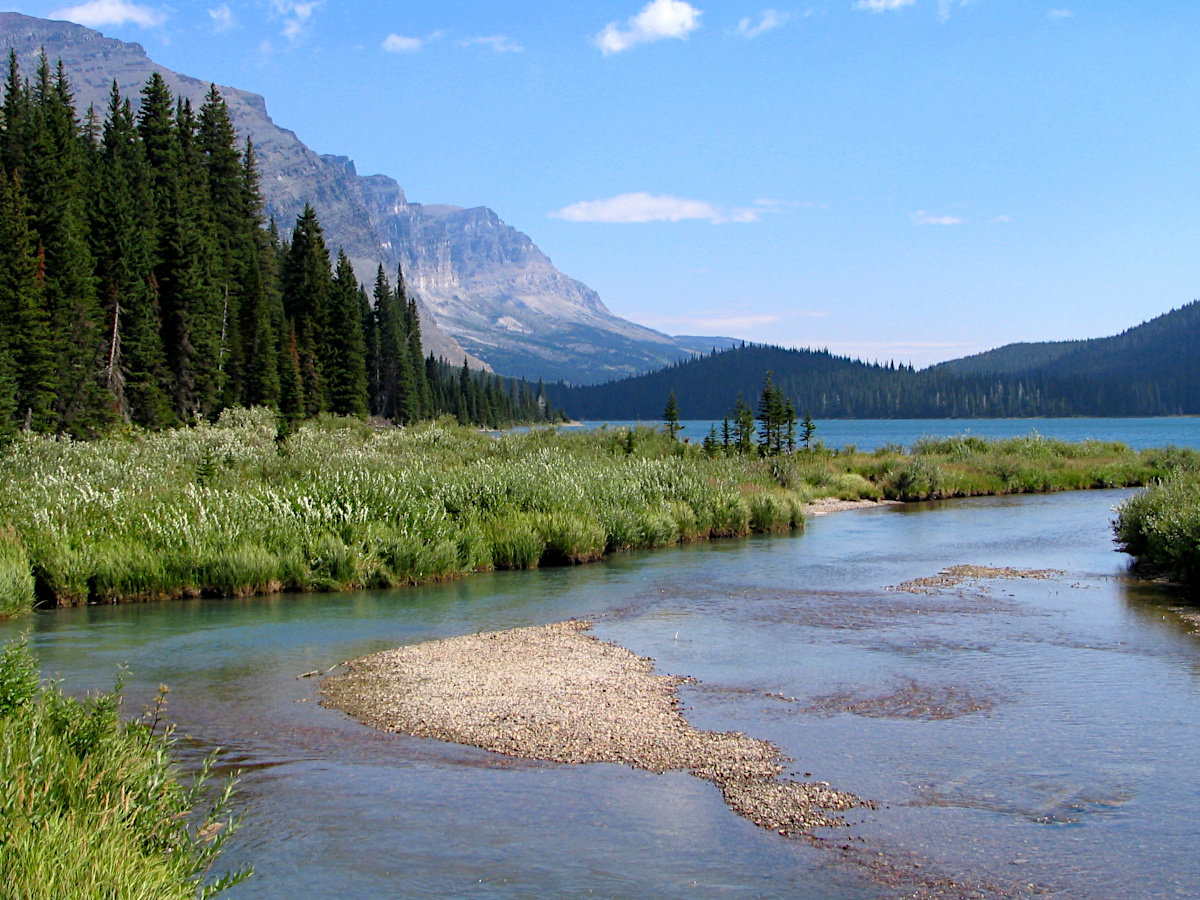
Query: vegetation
[[1151, 370], [1160, 527], [230, 509], [139, 283], [91, 806]]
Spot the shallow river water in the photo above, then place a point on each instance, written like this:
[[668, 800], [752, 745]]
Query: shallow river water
[[1011, 732]]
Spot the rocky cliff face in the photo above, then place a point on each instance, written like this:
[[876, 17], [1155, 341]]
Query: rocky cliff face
[[486, 292]]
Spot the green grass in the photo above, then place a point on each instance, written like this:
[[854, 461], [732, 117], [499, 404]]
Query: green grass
[[227, 509], [91, 806], [1160, 527]]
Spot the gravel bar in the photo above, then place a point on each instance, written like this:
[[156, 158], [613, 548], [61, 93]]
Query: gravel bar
[[555, 692]]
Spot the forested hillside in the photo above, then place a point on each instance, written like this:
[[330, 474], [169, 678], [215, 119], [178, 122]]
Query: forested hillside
[[1159, 350], [139, 282], [1147, 371]]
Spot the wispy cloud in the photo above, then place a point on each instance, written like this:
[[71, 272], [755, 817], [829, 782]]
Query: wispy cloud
[[642, 207], [296, 15], [768, 21], [97, 13], [920, 217], [1059, 13], [222, 18], [497, 42], [399, 43], [657, 20], [883, 5], [1002, 220]]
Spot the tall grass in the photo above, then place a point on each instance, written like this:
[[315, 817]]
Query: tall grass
[[227, 509], [1160, 527], [91, 807]]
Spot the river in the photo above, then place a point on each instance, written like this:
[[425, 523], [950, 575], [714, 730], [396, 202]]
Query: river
[[1015, 732]]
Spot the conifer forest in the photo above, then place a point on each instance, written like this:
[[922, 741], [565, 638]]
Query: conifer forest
[[140, 284]]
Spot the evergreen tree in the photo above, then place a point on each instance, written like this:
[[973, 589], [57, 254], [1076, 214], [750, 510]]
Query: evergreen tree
[[807, 430], [671, 417], [25, 337], [743, 419], [51, 176], [123, 244], [345, 360], [306, 282], [262, 307]]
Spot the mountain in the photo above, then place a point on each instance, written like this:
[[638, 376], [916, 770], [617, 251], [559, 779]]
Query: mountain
[[1152, 369], [1162, 350], [485, 291]]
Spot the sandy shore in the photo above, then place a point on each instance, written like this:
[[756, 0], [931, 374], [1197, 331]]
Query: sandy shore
[[557, 693]]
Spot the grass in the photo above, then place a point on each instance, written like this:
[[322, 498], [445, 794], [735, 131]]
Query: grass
[[227, 509], [91, 807]]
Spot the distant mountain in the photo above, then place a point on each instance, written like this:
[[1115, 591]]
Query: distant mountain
[[1150, 370], [1164, 350], [485, 289]]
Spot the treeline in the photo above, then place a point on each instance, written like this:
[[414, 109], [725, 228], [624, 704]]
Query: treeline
[[140, 283], [835, 387]]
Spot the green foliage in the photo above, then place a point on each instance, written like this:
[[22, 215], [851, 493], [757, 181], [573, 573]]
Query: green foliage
[[1161, 526], [91, 806]]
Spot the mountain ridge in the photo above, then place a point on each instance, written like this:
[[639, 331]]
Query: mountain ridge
[[1150, 369], [485, 291]]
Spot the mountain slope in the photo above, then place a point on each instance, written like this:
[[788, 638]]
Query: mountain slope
[[1152, 369], [481, 284]]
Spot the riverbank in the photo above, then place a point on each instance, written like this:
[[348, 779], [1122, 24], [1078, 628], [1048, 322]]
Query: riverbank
[[557, 693], [232, 509], [92, 806]]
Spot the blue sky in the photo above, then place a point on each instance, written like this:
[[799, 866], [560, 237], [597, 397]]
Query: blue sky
[[907, 179]]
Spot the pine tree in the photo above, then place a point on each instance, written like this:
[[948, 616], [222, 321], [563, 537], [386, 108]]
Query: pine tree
[[262, 307], [51, 176], [743, 418], [123, 241], [24, 326], [307, 281], [671, 417], [345, 358]]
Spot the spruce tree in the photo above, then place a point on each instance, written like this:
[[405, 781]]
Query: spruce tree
[[345, 359], [306, 283], [51, 176], [24, 326], [671, 417], [123, 241]]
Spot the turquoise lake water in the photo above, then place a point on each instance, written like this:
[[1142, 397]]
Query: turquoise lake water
[[1066, 755]]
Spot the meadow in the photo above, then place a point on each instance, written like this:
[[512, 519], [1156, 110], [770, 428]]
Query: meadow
[[230, 508]]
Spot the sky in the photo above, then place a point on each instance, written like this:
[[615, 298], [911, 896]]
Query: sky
[[913, 180]]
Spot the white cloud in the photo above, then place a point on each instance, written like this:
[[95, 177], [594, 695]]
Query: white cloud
[[1059, 13], [497, 42], [659, 19], [883, 5], [222, 18], [770, 20], [920, 217], [399, 43], [642, 207], [295, 14], [1002, 220], [96, 13]]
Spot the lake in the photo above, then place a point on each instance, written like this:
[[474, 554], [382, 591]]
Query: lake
[[1014, 732], [868, 434]]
